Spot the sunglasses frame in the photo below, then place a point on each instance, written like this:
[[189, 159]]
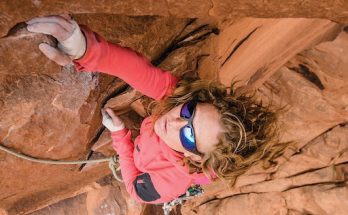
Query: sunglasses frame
[[189, 123]]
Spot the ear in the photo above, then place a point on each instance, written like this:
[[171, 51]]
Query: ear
[[193, 157]]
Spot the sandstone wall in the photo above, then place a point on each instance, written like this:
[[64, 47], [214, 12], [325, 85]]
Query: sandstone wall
[[53, 112]]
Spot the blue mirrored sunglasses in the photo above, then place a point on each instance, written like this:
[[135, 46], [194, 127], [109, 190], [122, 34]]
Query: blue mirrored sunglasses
[[187, 134]]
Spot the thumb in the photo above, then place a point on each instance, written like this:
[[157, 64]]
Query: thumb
[[111, 113], [54, 54], [66, 16]]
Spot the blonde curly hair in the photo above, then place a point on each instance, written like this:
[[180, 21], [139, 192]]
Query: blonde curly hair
[[250, 129]]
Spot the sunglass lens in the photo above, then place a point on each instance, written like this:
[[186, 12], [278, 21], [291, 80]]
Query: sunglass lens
[[187, 110], [187, 138]]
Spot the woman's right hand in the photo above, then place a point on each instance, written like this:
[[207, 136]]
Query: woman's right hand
[[72, 42], [111, 121]]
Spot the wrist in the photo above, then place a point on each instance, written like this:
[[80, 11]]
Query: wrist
[[119, 135], [83, 51], [114, 128], [75, 45]]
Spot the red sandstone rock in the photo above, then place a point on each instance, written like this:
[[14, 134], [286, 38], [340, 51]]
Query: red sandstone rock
[[251, 50], [317, 124], [52, 112], [19, 11]]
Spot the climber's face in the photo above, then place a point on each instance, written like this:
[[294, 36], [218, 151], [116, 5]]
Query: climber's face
[[174, 128]]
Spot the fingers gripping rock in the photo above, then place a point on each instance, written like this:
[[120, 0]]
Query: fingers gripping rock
[[49, 28], [62, 21], [71, 40], [111, 121], [54, 54]]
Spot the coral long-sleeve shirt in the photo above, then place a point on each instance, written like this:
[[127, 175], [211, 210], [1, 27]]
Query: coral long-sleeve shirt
[[152, 172]]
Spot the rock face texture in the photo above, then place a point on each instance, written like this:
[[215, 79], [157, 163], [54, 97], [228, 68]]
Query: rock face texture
[[13, 12], [53, 112], [299, 60], [312, 179]]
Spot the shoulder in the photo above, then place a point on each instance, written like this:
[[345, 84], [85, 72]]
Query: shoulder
[[147, 125]]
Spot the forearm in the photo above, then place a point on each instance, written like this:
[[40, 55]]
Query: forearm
[[124, 147], [126, 64]]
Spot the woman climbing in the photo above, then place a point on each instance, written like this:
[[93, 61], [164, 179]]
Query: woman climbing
[[198, 131]]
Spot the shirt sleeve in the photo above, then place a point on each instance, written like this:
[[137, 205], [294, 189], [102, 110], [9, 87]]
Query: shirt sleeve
[[130, 66], [145, 187]]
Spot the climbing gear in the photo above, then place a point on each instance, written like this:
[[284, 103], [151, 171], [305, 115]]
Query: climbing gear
[[113, 165], [113, 161], [193, 191]]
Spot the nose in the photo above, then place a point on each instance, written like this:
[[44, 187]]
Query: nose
[[177, 123]]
